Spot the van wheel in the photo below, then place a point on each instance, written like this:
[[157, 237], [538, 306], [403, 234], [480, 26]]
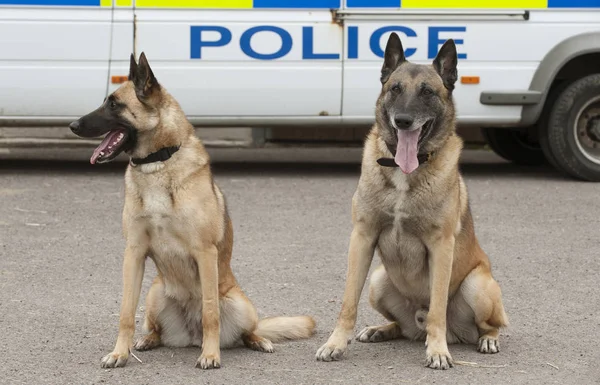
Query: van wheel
[[573, 129], [514, 145], [557, 87]]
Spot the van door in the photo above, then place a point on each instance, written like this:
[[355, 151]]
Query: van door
[[53, 57], [261, 58]]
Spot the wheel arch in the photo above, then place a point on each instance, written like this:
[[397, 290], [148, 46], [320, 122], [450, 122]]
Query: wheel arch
[[572, 58]]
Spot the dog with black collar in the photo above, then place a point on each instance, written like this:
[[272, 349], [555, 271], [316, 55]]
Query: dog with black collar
[[175, 214], [411, 206]]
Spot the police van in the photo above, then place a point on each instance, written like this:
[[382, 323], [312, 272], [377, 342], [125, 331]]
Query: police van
[[529, 70]]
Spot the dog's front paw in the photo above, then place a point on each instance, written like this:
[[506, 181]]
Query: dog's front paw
[[208, 361], [334, 349], [438, 359], [115, 360]]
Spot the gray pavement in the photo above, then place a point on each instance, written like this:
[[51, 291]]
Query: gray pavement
[[60, 272]]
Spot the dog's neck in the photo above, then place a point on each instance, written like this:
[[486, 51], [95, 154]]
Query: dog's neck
[[156, 148], [155, 158], [161, 155], [390, 162]]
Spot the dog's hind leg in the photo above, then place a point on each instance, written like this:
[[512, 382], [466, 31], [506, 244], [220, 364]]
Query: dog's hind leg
[[481, 291], [164, 321], [155, 303], [387, 300], [239, 320]]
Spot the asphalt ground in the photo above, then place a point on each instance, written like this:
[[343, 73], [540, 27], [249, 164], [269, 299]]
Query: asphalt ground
[[60, 272]]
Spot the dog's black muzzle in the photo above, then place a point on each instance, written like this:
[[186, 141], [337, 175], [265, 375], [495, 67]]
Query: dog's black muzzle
[[95, 124]]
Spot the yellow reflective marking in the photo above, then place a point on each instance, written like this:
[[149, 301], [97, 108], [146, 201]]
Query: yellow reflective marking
[[194, 3], [106, 3], [124, 3], [453, 4]]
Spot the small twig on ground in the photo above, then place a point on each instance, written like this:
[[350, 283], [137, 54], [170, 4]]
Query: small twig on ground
[[476, 365], [134, 356], [554, 366], [31, 211]]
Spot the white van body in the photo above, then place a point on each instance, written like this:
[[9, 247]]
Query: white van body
[[295, 62]]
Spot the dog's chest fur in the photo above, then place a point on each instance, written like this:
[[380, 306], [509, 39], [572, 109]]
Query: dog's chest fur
[[168, 219], [406, 214]]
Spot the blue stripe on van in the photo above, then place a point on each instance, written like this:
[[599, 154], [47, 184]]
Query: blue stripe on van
[[372, 3], [296, 4], [88, 3], [573, 3]]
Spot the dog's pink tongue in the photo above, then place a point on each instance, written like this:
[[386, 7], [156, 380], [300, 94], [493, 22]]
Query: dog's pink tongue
[[406, 151]]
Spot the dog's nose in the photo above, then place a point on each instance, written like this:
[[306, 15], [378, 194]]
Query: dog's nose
[[74, 126], [403, 121]]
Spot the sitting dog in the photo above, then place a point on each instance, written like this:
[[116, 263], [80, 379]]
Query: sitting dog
[[411, 204], [175, 214]]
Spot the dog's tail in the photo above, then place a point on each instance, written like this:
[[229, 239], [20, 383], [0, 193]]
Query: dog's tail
[[285, 328]]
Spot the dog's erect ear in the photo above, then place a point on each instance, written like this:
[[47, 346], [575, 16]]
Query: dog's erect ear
[[133, 67], [144, 80], [394, 56], [445, 64]]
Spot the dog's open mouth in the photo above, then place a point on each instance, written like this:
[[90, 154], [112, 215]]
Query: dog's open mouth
[[112, 145]]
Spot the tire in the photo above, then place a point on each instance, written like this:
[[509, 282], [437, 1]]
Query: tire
[[573, 129], [515, 146], [543, 124]]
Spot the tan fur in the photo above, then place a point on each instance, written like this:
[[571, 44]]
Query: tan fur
[[284, 328], [460, 269], [175, 214], [435, 282]]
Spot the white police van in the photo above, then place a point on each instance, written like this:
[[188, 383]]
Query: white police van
[[529, 70]]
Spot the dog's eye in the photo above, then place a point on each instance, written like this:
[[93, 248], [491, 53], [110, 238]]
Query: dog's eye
[[427, 91], [112, 104], [396, 88]]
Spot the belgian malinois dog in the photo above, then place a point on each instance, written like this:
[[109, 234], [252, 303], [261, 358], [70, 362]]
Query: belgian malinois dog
[[411, 204], [175, 214]]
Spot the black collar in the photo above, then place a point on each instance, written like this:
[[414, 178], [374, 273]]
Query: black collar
[[389, 162], [158, 156]]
